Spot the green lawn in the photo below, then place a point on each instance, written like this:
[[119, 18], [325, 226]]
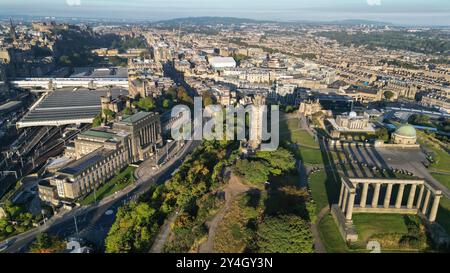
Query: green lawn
[[441, 157], [443, 216], [317, 183], [323, 189], [310, 156], [443, 178], [117, 183], [370, 224], [331, 237], [290, 130]]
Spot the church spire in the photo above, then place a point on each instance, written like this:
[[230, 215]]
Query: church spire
[[12, 30]]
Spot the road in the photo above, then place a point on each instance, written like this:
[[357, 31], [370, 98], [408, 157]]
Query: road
[[93, 222]]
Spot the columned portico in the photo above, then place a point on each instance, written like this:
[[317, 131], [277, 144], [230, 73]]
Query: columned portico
[[376, 195], [344, 210], [349, 193], [398, 201], [387, 197]]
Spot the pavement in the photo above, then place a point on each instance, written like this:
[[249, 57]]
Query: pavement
[[93, 222]]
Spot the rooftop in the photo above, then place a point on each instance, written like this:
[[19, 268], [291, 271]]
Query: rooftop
[[85, 162], [66, 105], [98, 134], [136, 117], [406, 131]]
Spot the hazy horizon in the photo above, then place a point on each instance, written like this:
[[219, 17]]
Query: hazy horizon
[[405, 12]]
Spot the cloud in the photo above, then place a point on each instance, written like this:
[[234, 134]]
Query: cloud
[[73, 2], [374, 2]]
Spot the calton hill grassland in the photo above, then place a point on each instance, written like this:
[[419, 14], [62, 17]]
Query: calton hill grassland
[[439, 168], [220, 202], [394, 232]]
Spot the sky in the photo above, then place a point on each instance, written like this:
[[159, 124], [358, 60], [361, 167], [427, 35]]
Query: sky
[[407, 12]]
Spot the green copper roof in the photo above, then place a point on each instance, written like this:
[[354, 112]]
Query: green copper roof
[[406, 130], [136, 117]]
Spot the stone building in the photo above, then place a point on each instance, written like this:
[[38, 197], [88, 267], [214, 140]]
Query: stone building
[[309, 107], [82, 176], [437, 99], [350, 123], [145, 131], [381, 195], [99, 154], [405, 135], [256, 121], [108, 103]]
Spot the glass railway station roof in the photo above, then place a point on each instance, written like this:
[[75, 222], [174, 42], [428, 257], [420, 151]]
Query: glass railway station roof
[[68, 104]]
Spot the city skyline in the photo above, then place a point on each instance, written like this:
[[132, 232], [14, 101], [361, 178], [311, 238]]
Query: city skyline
[[402, 12]]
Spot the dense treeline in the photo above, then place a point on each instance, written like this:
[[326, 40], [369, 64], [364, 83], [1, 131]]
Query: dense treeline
[[16, 220], [258, 168], [190, 190]]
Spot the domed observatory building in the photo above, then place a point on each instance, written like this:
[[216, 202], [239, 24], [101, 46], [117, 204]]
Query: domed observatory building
[[405, 135]]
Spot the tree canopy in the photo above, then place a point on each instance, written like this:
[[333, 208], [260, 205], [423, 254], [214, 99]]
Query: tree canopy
[[284, 234], [133, 229]]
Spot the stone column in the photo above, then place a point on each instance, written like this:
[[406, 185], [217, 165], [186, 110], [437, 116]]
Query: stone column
[[387, 198], [147, 135], [419, 200], [341, 194], [344, 201], [425, 203], [351, 203], [412, 194], [364, 195], [376, 195], [434, 208], [398, 201]]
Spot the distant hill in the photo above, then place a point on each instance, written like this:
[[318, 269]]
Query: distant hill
[[210, 21], [202, 21], [357, 22]]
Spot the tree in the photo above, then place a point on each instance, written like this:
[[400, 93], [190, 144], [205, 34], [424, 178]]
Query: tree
[[166, 103], [254, 171], [289, 109], [147, 104], [109, 114], [419, 119], [382, 134], [47, 244], [172, 93], [207, 99], [183, 96], [133, 230], [280, 160], [128, 111], [97, 121], [284, 234], [389, 95]]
